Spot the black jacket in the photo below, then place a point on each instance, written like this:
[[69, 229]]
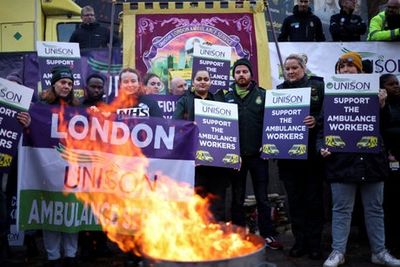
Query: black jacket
[[91, 102], [391, 131], [92, 36], [301, 27], [346, 27], [357, 167], [185, 106], [145, 107], [317, 97], [251, 118]]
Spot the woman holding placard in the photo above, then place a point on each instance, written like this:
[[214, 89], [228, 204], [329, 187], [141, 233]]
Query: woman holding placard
[[348, 172], [303, 179], [209, 181]]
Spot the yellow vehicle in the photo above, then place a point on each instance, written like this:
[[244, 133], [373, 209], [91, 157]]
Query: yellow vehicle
[[204, 156], [23, 22], [334, 141], [368, 142], [5, 160], [270, 149], [231, 159], [297, 150]]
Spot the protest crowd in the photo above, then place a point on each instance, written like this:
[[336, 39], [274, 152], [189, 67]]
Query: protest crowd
[[343, 189]]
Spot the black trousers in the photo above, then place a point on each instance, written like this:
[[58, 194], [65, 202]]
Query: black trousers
[[258, 169], [303, 183], [392, 214]]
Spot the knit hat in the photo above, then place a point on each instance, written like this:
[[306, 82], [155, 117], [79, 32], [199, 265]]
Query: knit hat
[[14, 77], [354, 58], [242, 61], [61, 72]]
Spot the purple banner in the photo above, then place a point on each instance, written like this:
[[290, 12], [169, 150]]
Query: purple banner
[[351, 123], [11, 62], [167, 104], [165, 42], [92, 61], [156, 137], [96, 61]]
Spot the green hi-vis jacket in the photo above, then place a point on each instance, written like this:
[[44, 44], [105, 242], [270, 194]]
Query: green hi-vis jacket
[[378, 29]]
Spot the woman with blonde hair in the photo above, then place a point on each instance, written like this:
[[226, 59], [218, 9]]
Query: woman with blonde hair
[[303, 178]]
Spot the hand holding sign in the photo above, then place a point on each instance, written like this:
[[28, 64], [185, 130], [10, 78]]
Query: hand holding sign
[[309, 121], [24, 118], [382, 97], [325, 152]]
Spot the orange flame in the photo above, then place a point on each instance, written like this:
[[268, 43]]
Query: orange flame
[[160, 217]]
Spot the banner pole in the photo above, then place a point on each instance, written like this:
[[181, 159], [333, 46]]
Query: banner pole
[[274, 35], [110, 50]]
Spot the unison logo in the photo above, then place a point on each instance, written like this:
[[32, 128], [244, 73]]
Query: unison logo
[[10, 96], [212, 53], [287, 99], [349, 86], [59, 51], [216, 110]]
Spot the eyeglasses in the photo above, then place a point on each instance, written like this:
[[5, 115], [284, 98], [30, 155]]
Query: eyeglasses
[[88, 15]]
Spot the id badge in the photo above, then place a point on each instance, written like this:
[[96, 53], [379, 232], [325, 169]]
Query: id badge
[[394, 165]]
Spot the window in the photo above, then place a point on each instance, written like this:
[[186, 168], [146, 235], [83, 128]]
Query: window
[[65, 30]]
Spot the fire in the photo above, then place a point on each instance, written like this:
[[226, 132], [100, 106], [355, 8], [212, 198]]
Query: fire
[[153, 216]]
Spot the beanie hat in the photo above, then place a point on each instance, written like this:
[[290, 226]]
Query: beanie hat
[[14, 77], [354, 58], [242, 61], [61, 72]]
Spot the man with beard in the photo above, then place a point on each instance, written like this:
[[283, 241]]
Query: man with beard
[[346, 26], [90, 34], [386, 25], [302, 26], [250, 99], [94, 90]]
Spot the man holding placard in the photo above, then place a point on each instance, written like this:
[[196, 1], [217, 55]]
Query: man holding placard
[[250, 99]]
